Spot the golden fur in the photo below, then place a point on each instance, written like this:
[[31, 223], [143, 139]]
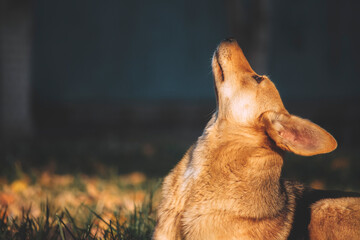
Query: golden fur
[[228, 186]]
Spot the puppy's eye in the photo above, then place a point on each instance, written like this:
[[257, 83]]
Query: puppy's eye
[[258, 78]]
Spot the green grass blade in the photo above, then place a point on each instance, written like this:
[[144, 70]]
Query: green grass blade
[[60, 228]]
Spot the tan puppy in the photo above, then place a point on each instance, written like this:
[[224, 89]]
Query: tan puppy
[[228, 184]]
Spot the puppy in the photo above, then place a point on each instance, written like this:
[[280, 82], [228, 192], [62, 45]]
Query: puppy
[[228, 185]]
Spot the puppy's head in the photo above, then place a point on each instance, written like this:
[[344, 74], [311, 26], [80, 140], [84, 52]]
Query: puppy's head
[[247, 99]]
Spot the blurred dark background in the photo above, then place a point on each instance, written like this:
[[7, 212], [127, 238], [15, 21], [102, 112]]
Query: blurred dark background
[[128, 83]]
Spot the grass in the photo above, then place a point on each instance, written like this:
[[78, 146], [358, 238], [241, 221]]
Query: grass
[[50, 204], [139, 224], [83, 221]]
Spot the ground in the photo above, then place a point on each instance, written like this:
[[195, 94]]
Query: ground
[[109, 188]]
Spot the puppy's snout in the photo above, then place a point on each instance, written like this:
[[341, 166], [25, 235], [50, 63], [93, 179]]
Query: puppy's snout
[[231, 58]]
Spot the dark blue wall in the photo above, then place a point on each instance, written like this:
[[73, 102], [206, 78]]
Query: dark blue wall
[[109, 51], [115, 50], [314, 51]]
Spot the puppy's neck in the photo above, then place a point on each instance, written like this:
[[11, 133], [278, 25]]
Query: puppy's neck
[[248, 163]]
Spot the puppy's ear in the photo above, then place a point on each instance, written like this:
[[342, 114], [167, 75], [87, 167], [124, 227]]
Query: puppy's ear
[[297, 135]]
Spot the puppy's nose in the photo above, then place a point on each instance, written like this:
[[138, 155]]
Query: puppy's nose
[[229, 40]]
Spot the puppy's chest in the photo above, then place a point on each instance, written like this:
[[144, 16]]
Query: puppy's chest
[[228, 225], [214, 210]]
